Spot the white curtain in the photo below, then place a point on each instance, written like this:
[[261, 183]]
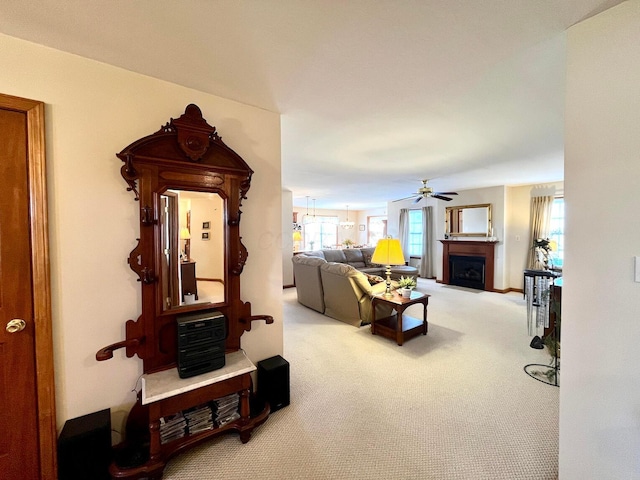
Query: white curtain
[[538, 226], [426, 264], [404, 232]]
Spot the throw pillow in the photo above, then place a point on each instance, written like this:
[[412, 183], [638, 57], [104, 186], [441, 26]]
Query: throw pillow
[[367, 260], [374, 279]]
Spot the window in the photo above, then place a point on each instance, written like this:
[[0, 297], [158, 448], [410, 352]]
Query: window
[[556, 231], [415, 233], [322, 233], [377, 229]]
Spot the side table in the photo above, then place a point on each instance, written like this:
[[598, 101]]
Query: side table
[[400, 327]]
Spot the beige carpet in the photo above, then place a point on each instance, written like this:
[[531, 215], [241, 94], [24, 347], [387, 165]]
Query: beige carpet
[[455, 404]]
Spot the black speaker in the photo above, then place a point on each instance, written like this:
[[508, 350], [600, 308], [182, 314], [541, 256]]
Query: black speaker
[[273, 382], [84, 447]]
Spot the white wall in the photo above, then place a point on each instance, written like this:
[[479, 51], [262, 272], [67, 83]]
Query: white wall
[[92, 112], [287, 237], [600, 391]]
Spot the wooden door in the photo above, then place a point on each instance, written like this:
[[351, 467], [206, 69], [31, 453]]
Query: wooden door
[[27, 420]]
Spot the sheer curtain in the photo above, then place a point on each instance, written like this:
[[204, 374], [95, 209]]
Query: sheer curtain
[[426, 264], [403, 232], [538, 225]]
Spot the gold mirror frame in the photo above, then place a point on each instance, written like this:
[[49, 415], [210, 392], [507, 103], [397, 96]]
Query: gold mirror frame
[[453, 216]]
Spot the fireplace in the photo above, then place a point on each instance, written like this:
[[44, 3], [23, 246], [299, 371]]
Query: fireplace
[[479, 256], [467, 271]]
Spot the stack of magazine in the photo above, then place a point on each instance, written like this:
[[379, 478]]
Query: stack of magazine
[[199, 419], [172, 427], [226, 409]]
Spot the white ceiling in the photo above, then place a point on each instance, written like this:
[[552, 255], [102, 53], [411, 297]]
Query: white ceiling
[[374, 95]]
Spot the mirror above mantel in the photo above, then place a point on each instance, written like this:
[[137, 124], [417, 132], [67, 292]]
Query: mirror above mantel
[[468, 221]]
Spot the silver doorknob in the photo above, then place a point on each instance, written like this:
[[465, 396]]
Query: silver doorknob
[[16, 325]]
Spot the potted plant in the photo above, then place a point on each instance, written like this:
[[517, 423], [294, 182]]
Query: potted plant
[[406, 284], [543, 248], [347, 243]]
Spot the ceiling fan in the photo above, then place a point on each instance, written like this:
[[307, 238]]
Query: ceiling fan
[[426, 192]]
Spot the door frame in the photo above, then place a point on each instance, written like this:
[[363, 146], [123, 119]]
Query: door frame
[[39, 232]]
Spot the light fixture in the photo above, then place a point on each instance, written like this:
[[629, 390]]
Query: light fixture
[[306, 218], [388, 252], [348, 225], [314, 211], [185, 235]]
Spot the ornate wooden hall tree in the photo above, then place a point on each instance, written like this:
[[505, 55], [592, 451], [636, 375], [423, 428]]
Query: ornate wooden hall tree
[[185, 156]]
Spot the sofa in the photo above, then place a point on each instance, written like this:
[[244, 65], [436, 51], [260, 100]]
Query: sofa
[[360, 258], [338, 290]]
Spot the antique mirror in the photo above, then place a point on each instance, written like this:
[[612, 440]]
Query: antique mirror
[[193, 246], [188, 186], [468, 220]]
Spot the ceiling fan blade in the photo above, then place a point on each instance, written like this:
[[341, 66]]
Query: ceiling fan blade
[[405, 198], [445, 193], [417, 199], [441, 197]]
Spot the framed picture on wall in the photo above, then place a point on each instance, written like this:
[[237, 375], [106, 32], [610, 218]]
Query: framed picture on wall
[[206, 225], [205, 235], [361, 228]]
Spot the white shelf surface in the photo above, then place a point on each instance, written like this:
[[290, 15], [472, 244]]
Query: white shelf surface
[[166, 384]]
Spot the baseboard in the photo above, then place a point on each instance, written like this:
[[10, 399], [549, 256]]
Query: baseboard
[[496, 290]]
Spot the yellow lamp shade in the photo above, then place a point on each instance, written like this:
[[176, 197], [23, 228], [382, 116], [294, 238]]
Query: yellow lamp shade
[[388, 252], [185, 234], [297, 236]]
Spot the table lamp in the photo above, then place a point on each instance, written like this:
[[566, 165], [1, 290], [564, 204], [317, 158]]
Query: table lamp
[[297, 238], [388, 252], [185, 235]]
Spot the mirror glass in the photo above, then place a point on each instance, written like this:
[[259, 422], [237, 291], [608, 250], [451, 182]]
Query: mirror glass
[[468, 220], [192, 248]]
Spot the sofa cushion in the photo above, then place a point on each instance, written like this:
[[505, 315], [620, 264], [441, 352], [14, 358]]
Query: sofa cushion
[[304, 259], [306, 274], [315, 253], [347, 294], [336, 256], [354, 257], [367, 253]]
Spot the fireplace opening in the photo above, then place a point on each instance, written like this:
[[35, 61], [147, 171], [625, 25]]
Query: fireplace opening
[[467, 271]]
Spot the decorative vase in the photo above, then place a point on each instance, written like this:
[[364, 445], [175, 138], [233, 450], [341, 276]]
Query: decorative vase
[[406, 292]]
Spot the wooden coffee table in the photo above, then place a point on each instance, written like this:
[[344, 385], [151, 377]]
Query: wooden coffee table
[[400, 327]]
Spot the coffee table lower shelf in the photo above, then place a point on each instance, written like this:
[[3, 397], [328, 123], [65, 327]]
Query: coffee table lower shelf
[[411, 327]]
